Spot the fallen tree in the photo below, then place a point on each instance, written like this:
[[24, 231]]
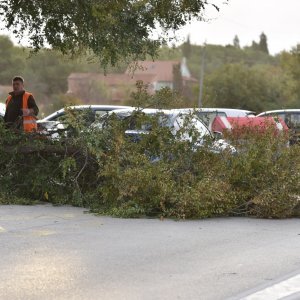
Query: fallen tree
[[102, 169]]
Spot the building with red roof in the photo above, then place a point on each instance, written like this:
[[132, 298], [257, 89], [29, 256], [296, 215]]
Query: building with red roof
[[116, 88]]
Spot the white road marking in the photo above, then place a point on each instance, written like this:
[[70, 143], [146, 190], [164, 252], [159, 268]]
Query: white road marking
[[278, 291]]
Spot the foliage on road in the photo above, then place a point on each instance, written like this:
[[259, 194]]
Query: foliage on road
[[101, 168]]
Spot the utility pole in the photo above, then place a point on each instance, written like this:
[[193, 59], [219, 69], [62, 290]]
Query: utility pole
[[202, 71]]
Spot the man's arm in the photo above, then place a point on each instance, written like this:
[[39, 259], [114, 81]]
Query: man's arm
[[32, 106]]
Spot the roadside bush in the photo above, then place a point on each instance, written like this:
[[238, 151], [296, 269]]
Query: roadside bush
[[103, 169], [266, 173]]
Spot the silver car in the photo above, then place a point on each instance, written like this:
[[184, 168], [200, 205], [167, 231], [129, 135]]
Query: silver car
[[177, 120]]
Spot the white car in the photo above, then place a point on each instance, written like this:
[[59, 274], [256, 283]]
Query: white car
[[55, 121], [290, 116], [97, 109], [207, 115], [176, 120], [2, 110]]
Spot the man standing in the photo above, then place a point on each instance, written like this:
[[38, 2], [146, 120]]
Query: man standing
[[21, 109]]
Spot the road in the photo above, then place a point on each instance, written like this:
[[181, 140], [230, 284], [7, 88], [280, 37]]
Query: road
[[65, 253]]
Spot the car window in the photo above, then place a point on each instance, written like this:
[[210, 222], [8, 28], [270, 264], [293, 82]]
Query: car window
[[59, 118], [100, 113], [135, 124], [295, 120], [208, 117], [193, 124], [142, 121], [276, 115], [55, 117], [282, 115], [88, 116], [291, 119]]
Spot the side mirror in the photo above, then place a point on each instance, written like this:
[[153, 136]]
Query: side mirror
[[218, 135]]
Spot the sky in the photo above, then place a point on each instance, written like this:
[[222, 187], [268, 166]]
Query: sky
[[278, 19]]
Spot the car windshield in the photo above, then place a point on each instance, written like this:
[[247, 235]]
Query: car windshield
[[208, 116], [292, 119], [184, 125], [191, 125], [295, 120], [87, 115], [145, 122]]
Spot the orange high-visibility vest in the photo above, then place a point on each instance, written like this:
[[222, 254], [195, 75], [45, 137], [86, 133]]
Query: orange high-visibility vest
[[29, 122]]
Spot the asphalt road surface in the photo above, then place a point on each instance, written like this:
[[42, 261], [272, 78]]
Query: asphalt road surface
[[64, 253]]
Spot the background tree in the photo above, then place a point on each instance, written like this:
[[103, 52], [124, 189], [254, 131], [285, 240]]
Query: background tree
[[112, 30], [239, 86], [59, 101], [290, 63], [255, 46], [187, 48], [263, 43], [236, 42], [11, 61]]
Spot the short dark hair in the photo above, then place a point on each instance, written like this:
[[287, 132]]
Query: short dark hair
[[18, 78]]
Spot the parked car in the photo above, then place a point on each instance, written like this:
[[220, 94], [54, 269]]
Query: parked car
[[175, 120], [257, 124], [56, 120], [207, 115], [292, 119], [97, 109]]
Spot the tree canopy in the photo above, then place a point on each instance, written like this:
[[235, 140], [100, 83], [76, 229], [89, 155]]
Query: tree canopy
[[113, 30]]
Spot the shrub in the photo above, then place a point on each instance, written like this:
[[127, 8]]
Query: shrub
[[266, 174]]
